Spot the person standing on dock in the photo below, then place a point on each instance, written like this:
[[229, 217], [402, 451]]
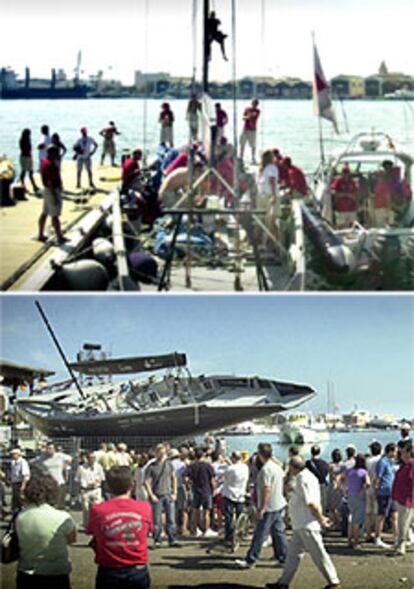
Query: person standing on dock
[[249, 134], [166, 121], [271, 506], [108, 147], [26, 159], [383, 485], [45, 141], [90, 477], [84, 148], [306, 519], [56, 141], [221, 121], [192, 114], [19, 477], [52, 198], [131, 171], [268, 196]]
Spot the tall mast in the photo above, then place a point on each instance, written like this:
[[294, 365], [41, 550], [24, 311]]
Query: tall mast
[[206, 13], [59, 347]]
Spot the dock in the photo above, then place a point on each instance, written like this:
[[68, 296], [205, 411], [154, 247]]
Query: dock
[[205, 564], [21, 254]]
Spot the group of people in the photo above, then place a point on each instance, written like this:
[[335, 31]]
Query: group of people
[[379, 198], [126, 497]]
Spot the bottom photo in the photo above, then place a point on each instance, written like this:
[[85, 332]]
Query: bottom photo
[[227, 442]]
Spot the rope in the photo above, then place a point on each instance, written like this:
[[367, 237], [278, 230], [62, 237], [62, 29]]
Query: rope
[[145, 103]]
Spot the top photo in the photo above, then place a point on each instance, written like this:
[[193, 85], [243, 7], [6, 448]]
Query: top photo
[[206, 146]]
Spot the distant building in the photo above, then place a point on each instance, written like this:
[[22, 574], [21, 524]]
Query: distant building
[[386, 82], [142, 79], [373, 86], [348, 87], [358, 418]]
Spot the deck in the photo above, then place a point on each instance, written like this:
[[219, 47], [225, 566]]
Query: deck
[[21, 253]]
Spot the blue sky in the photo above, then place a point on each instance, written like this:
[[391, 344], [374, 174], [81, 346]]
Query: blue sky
[[363, 344], [353, 36]]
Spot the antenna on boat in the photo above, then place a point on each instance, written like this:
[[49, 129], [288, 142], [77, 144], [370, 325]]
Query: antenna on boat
[[59, 347]]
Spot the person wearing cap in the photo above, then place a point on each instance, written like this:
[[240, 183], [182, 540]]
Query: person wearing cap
[[19, 477], [249, 134], [52, 194], [344, 195], [108, 147], [166, 120], [236, 479], [84, 149], [307, 520]]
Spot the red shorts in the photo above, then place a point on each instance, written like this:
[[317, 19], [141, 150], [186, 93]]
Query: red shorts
[[218, 502]]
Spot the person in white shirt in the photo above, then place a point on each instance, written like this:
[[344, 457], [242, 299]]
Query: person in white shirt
[[55, 464], [84, 149], [90, 477], [19, 477], [306, 518], [270, 510], [268, 195], [123, 458], [44, 143], [235, 483]]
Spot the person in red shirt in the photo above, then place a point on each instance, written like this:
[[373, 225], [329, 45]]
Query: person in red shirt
[[131, 170], [282, 169], [52, 194], [344, 192], [249, 133], [403, 494], [296, 183], [120, 528], [221, 121]]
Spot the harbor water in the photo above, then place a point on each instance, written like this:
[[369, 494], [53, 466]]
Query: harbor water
[[286, 124], [336, 440]]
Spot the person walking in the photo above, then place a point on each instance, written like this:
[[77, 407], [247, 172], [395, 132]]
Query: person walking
[[109, 147], [357, 481], [52, 194], [44, 534], [161, 486], [90, 477], [236, 479], [383, 485], [270, 510], [120, 529], [26, 159], [19, 477], [403, 495], [166, 120], [84, 149], [249, 134], [202, 479], [307, 519]]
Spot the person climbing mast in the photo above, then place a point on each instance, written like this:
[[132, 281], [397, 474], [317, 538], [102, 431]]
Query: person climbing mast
[[213, 34]]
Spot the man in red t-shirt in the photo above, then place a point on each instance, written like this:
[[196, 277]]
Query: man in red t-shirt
[[344, 192], [403, 494], [131, 170], [120, 527], [52, 194], [296, 181], [221, 121], [250, 118]]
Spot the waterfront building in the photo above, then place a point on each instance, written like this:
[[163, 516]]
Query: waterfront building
[[348, 86], [357, 418]]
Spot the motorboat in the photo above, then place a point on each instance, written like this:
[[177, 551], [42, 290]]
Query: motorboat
[[300, 428], [383, 253]]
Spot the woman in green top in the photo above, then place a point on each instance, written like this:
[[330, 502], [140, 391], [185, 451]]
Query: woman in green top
[[44, 533]]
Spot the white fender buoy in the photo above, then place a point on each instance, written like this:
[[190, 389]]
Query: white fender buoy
[[85, 275], [103, 250]]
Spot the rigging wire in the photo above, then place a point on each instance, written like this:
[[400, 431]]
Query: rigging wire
[[145, 102], [263, 35]]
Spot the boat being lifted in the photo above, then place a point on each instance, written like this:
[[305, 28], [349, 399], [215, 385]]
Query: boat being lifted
[[363, 246]]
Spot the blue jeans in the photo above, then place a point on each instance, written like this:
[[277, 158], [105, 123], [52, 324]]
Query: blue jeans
[[165, 504], [229, 508], [123, 578], [271, 523]]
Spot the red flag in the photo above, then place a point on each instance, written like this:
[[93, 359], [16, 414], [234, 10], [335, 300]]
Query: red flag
[[321, 96]]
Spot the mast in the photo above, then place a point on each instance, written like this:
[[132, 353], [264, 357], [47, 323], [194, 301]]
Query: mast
[[59, 348], [206, 13]]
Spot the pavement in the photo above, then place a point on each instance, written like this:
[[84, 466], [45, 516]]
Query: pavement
[[205, 564]]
